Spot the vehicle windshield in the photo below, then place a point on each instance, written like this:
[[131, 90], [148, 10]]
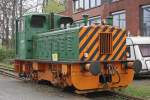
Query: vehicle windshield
[[145, 50]]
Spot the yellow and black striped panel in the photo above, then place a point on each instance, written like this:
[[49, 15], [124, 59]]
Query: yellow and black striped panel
[[92, 40]]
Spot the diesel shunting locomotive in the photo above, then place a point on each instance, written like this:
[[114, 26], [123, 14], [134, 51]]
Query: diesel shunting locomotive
[[93, 57]]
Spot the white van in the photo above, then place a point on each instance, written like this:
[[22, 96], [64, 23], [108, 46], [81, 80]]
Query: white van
[[139, 49]]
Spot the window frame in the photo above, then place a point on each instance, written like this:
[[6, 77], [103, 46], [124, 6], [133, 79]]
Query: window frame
[[41, 25], [142, 51], [98, 4], [75, 9], [119, 13], [94, 4], [80, 22], [114, 1], [142, 20]]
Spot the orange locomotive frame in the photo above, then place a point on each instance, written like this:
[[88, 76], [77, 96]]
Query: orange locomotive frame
[[67, 75], [96, 69]]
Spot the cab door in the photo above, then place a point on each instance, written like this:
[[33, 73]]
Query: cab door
[[20, 39]]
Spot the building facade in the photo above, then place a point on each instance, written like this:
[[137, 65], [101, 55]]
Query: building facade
[[133, 15]]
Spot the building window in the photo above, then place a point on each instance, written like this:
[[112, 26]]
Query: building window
[[93, 3], [98, 2], [146, 20], [95, 20], [119, 19], [76, 5], [81, 2], [92, 20], [114, 0], [80, 23], [85, 4]]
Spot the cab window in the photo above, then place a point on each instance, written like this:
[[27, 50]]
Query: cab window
[[145, 50], [37, 21]]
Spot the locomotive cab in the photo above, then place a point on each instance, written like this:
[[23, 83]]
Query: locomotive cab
[[32, 24], [26, 27], [65, 22]]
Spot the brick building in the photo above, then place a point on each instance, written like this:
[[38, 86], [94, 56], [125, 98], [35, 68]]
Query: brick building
[[134, 15]]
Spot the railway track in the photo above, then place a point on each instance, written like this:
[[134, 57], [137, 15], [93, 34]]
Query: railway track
[[8, 72], [113, 94], [110, 95], [123, 96]]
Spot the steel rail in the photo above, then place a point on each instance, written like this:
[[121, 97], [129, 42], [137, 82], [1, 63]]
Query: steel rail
[[8, 72], [108, 93], [124, 96]]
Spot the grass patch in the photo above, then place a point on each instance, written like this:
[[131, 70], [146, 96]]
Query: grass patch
[[140, 90], [6, 54]]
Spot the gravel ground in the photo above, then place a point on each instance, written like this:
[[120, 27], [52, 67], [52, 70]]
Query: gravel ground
[[11, 89]]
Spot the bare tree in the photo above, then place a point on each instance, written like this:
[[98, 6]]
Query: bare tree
[[5, 7], [9, 10]]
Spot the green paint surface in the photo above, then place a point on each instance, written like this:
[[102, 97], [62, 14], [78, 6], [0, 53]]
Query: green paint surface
[[43, 42], [64, 43]]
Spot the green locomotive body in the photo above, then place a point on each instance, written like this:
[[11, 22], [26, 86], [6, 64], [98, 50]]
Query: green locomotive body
[[91, 57], [63, 44], [36, 38]]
